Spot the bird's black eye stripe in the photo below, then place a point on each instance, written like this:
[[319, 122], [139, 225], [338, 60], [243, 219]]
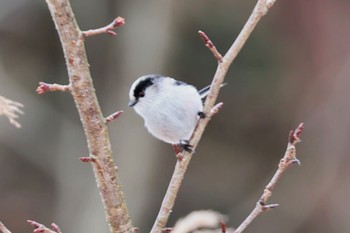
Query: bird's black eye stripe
[[141, 87]]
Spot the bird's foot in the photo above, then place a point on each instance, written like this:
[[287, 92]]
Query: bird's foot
[[185, 145], [201, 115]]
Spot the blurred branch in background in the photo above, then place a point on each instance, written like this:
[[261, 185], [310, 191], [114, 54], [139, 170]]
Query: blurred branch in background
[[3, 228], [10, 109], [40, 228], [288, 160]]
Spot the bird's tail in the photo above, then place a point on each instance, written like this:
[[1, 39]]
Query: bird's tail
[[204, 92]]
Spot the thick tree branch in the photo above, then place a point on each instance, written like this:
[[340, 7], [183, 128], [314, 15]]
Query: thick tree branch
[[260, 9], [94, 124], [288, 159]]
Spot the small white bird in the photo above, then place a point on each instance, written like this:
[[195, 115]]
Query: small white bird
[[170, 108]]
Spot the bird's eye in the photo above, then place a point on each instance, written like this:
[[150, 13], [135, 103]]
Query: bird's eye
[[142, 94]]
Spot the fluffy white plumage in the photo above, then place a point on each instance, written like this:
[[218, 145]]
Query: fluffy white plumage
[[169, 108]]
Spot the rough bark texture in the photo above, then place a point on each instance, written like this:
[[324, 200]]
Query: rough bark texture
[[91, 116]]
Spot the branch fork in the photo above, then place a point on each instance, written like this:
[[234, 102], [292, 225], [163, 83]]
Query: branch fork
[[40, 228], [287, 161]]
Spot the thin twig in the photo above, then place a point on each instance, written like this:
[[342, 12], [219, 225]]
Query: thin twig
[[109, 29], [96, 131], [3, 228], [260, 9], [216, 108], [56, 228], [90, 159], [113, 116], [210, 46], [40, 228], [45, 87], [288, 159]]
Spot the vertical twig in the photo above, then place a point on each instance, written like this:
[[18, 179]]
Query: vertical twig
[[260, 9], [94, 124]]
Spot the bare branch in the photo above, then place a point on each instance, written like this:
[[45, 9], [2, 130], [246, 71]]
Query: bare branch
[[295, 134], [216, 109], [288, 159], [10, 109], [40, 228], [90, 159], [55, 227], [260, 9], [45, 87], [210, 46], [114, 116], [96, 131], [3, 228], [109, 29]]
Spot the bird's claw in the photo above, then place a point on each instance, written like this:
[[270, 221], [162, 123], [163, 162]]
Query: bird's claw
[[185, 145], [201, 115]]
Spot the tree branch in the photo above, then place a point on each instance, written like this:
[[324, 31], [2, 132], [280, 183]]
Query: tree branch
[[119, 21], [40, 228], [3, 228], [260, 9], [113, 116], [288, 159], [94, 124], [210, 46], [45, 87]]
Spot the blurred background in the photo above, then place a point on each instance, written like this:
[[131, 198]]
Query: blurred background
[[294, 68]]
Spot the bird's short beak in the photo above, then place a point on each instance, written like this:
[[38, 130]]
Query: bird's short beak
[[132, 103]]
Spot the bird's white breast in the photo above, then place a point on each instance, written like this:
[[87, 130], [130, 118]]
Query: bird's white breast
[[172, 114]]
